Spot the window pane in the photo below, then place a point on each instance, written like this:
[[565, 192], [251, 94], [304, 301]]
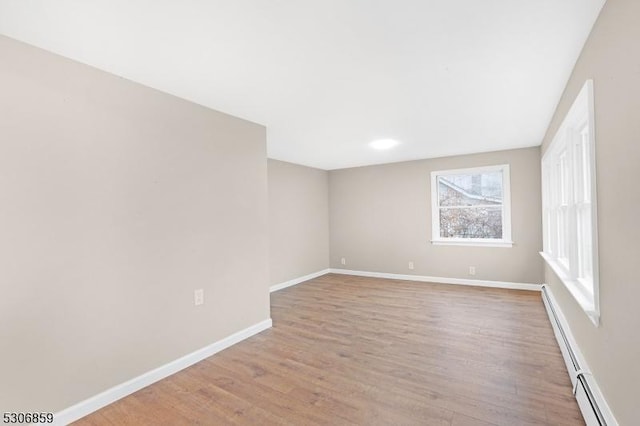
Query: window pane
[[585, 269], [478, 222], [564, 179], [470, 189], [563, 233], [586, 165]]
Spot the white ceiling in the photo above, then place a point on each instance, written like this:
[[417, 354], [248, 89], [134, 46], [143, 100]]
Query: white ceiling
[[326, 77]]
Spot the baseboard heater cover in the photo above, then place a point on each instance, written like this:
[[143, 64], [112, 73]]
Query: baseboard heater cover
[[590, 400]]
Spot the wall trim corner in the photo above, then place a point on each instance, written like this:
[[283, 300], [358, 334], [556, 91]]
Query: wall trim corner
[[297, 280]]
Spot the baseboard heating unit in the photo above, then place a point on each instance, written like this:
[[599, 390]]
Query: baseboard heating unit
[[592, 404]]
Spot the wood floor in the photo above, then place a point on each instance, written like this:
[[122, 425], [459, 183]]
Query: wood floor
[[368, 351]]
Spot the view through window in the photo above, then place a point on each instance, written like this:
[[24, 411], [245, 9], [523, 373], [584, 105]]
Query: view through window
[[471, 206]]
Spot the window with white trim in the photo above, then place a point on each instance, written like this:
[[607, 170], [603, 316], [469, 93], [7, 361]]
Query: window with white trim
[[569, 204], [471, 206]]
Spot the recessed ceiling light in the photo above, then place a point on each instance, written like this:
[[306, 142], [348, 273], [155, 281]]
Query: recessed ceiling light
[[384, 144]]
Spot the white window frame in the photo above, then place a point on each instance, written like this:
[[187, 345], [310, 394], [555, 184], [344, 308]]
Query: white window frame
[[505, 241], [572, 250]]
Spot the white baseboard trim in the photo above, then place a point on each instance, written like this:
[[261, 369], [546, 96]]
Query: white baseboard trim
[[117, 392], [298, 280], [441, 280], [577, 366]]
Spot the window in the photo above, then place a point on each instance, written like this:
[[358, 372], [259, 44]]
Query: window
[[471, 207], [569, 204]]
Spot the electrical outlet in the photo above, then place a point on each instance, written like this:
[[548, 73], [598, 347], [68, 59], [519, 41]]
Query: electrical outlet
[[411, 265], [472, 270], [343, 261], [198, 297]]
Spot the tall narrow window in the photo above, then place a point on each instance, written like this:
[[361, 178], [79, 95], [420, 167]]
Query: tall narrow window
[[471, 206], [569, 204]]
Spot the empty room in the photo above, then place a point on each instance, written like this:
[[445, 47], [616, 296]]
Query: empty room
[[244, 212]]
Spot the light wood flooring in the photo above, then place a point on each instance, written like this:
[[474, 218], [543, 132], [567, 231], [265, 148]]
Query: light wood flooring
[[367, 351]]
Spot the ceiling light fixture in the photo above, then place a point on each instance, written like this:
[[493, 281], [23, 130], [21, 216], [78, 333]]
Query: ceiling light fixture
[[384, 144]]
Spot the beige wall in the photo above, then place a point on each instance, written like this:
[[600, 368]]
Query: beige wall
[[298, 220], [380, 220], [611, 57], [117, 201]]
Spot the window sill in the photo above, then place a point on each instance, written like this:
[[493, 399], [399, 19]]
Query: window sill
[[583, 297], [472, 243]]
